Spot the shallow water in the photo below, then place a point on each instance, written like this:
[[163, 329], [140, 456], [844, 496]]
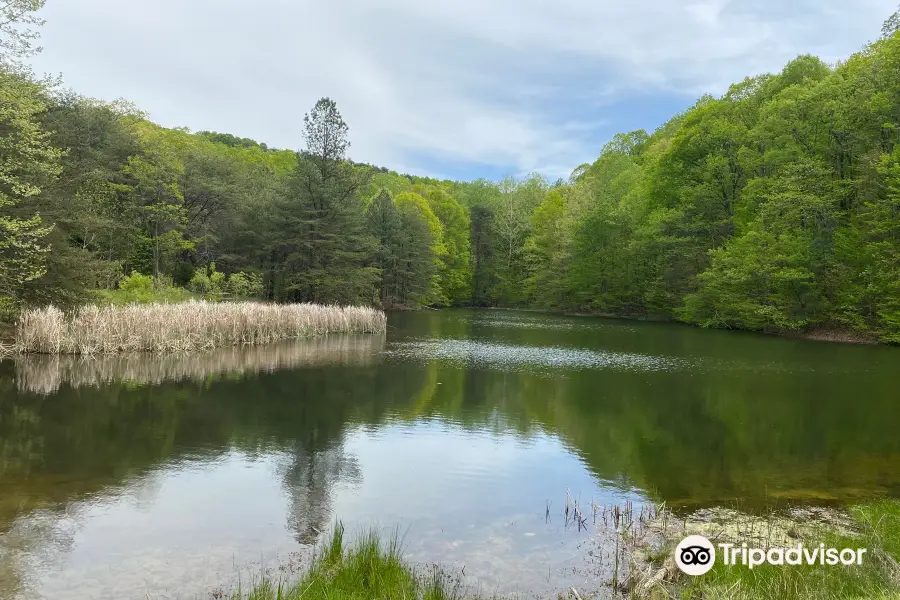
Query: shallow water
[[124, 477]]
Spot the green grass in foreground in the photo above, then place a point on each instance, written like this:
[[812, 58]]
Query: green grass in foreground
[[877, 578], [368, 570], [372, 570]]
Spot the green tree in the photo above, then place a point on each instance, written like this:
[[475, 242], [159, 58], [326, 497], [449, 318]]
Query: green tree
[[483, 256], [322, 252], [17, 37], [548, 253], [455, 273], [96, 224], [27, 163], [511, 224], [770, 277], [872, 300], [155, 177], [891, 25], [412, 205], [405, 252], [606, 208], [210, 186], [385, 226]]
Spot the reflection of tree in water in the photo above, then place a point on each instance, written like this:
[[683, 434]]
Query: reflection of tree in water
[[63, 448], [705, 437], [316, 409], [310, 479]]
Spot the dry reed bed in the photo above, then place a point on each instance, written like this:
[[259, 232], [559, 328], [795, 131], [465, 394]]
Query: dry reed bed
[[46, 373], [184, 327]]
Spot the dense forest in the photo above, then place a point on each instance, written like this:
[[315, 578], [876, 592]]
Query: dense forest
[[773, 207]]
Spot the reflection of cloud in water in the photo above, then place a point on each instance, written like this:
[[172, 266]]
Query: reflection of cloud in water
[[44, 374], [512, 358], [38, 543]]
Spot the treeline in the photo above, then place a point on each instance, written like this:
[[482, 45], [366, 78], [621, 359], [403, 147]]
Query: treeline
[[96, 193], [773, 207]]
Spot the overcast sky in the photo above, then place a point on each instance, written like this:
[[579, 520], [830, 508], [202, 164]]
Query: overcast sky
[[448, 88]]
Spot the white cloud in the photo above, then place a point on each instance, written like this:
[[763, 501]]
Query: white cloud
[[512, 84]]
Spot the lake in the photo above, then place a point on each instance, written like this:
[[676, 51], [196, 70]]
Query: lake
[[463, 430]]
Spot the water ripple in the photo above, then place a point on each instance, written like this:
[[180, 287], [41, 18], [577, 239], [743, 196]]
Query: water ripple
[[529, 358], [535, 323]]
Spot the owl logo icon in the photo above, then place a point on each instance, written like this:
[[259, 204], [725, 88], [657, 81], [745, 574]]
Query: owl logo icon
[[695, 555]]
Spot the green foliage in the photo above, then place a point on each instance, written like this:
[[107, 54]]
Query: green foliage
[[511, 223], [9, 310], [155, 177], [16, 36], [317, 247], [244, 285], [414, 208], [548, 252], [230, 140], [454, 272], [136, 288], [213, 285], [767, 277], [27, 162], [405, 253], [773, 207], [891, 25], [484, 256], [201, 283]]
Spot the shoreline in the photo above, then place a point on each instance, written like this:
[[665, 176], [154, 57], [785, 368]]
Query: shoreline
[[874, 526], [816, 333], [637, 557]]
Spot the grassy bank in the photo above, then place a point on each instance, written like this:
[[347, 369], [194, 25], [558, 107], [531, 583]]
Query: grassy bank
[[370, 569], [874, 526], [183, 327]]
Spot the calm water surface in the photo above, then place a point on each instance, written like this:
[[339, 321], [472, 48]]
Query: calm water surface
[[129, 477]]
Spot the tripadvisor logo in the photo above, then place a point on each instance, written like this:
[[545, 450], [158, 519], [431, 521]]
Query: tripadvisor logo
[[696, 555]]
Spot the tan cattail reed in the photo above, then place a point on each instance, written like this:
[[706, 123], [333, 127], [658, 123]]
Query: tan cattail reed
[[184, 327]]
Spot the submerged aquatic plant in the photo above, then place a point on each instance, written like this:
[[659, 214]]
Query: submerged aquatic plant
[[184, 327]]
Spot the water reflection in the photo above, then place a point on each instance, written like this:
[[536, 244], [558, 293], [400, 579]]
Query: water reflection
[[44, 374], [123, 474], [536, 359]]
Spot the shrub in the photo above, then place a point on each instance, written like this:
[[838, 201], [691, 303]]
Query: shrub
[[143, 289], [200, 283], [8, 309], [136, 288], [245, 285], [213, 285]]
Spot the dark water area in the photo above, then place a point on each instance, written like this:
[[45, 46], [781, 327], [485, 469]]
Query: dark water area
[[168, 477]]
